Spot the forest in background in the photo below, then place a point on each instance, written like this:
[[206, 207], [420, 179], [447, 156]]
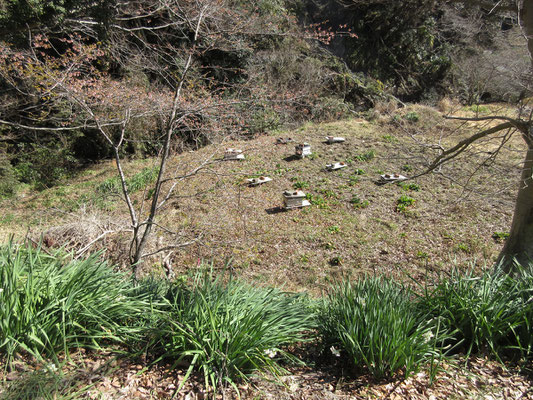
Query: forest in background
[[273, 63]]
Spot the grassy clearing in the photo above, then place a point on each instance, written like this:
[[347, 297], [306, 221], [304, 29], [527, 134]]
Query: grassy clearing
[[453, 216], [353, 229]]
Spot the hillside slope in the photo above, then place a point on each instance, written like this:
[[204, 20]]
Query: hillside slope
[[354, 226]]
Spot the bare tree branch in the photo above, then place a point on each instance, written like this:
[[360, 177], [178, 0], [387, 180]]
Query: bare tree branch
[[462, 146]]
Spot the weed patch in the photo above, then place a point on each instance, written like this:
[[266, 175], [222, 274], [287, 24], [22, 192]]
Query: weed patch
[[404, 202], [358, 203], [366, 156]]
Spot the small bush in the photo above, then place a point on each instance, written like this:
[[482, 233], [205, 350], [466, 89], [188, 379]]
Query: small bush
[[374, 325], [227, 331], [43, 166], [412, 116], [8, 180]]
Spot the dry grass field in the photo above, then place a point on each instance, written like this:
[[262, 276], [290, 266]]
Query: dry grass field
[[454, 217]]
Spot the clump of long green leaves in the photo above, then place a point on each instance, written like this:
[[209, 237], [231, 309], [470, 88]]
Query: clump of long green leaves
[[375, 325], [491, 313], [50, 302], [229, 330]]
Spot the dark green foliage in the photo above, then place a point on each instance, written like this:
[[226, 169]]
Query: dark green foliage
[[374, 325], [16, 16], [227, 331], [8, 180], [44, 166], [397, 42], [51, 303], [491, 313]]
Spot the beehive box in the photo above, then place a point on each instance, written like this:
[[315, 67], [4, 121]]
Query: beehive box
[[335, 139], [295, 199], [303, 150], [258, 181], [233, 154], [392, 177], [337, 165]]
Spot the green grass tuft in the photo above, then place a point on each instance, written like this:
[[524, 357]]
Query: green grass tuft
[[374, 325], [491, 313], [228, 331], [51, 303]]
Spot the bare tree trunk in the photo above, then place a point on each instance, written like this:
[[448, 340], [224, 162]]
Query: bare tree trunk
[[139, 240], [519, 245], [526, 20]]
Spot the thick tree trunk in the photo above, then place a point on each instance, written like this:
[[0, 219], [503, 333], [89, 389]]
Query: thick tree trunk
[[526, 19], [519, 245]]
